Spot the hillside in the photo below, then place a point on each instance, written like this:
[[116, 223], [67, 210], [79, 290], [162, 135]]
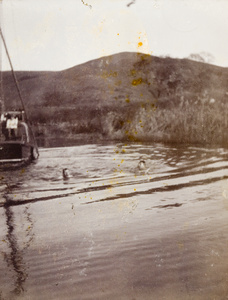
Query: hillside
[[127, 96]]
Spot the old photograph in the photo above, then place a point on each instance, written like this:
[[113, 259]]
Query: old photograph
[[113, 150]]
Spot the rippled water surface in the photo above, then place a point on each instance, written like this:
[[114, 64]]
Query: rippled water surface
[[111, 231]]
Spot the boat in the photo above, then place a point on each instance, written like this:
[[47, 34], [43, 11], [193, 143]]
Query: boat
[[17, 141]]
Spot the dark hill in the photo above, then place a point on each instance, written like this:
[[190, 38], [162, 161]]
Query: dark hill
[[111, 95]]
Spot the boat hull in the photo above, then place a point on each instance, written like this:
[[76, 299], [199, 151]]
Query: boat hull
[[15, 154]]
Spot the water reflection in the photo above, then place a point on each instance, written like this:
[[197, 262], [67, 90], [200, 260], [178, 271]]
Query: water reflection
[[14, 258], [109, 223]]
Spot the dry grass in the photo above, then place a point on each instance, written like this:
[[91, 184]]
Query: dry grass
[[201, 123]]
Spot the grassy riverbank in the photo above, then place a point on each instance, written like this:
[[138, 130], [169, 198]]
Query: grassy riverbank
[[193, 124]]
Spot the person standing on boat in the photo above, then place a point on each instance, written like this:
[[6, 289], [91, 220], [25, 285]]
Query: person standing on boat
[[11, 125], [23, 131], [5, 131]]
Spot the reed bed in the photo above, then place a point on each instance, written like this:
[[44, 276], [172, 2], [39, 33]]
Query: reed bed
[[201, 123]]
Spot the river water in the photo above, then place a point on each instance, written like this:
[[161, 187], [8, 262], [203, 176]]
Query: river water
[[111, 231]]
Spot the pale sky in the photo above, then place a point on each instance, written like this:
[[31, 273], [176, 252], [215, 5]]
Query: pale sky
[[59, 34]]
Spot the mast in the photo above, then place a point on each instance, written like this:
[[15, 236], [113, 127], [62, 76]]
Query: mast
[[2, 107], [13, 73], [18, 90]]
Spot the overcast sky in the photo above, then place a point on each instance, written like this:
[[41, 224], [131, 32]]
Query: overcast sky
[[59, 34]]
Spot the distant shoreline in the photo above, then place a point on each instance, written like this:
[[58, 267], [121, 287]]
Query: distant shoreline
[[128, 97]]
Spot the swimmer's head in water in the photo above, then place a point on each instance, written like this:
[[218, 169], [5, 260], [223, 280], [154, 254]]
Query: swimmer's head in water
[[66, 173], [142, 165]]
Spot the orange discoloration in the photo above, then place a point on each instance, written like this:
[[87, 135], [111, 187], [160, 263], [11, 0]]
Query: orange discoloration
[[133, 72], [110, 74], [137, 81], [86, 4]]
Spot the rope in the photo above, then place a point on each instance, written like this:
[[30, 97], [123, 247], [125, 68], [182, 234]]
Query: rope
[[18, 90], [1, 83]]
